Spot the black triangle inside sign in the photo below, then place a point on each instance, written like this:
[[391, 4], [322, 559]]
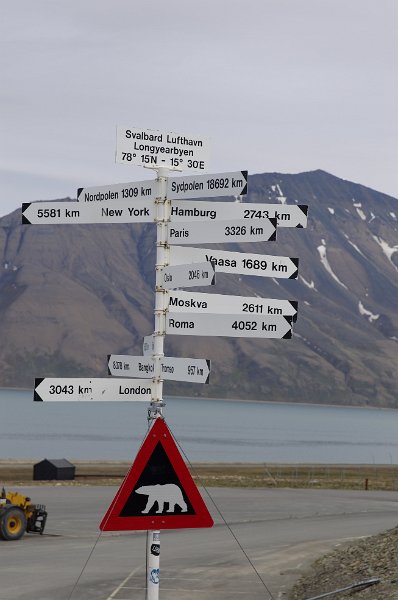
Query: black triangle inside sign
[[158, 492]]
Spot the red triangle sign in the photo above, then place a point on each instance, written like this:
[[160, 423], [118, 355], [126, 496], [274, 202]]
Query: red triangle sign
[[158, 492]]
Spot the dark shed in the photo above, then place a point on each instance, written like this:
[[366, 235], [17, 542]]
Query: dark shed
[[53, 469]]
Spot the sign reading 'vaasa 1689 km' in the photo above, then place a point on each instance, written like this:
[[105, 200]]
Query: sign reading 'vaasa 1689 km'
[[152, 148]]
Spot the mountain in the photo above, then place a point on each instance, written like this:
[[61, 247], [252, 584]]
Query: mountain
[[71, 295]]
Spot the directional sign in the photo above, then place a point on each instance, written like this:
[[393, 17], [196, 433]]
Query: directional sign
[[191, 275], [286, 215], [193, 370], [138, 190], [148, 345], [158, 492], [183, 302], [62, 213], [152, 148], [261, 265], [229, 325], [223, 231], [199, 186], [93, 390]]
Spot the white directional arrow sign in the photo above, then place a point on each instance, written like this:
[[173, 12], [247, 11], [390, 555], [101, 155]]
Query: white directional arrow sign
[[62, 213], [183, 302], [193, 370], [261, 265], [191, 275], [199, 186], [152, 148], [223, 231], [229, 325], [148, 345], [138, 190], [286, 215], [93, 390]]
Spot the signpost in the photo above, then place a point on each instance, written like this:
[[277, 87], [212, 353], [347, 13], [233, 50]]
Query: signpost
[[286, 215], [76, 213], [54, 389], [158, 492], [138, 190], [197, 186], [223, 231], [194, 274], [182, 302], [157, 149], [261, 265], [229, 325], [192, 370]]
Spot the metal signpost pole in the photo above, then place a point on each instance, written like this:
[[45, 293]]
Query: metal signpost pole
[[155, 410]]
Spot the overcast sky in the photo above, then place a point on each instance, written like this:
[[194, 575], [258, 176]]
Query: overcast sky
[[277, 85]]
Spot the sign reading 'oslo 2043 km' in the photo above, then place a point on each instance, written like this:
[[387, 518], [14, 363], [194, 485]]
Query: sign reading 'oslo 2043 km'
[[152, 148]]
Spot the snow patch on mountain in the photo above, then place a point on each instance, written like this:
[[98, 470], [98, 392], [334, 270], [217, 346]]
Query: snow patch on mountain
[[331, 210], [388, 250], [322, 253], [353, 245], [308, 284], [366, 313]]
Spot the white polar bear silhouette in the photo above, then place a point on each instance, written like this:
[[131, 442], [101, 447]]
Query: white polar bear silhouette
[[159, 493]]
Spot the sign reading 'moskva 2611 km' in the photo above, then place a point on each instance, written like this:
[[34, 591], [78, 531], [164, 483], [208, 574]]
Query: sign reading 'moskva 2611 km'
[[152, 148], [63, 213], [179, 301]]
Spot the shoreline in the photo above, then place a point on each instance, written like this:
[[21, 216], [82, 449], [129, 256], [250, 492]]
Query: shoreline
[[244, 400]]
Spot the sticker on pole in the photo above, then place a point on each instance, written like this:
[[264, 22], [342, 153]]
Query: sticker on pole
[[158, 492]]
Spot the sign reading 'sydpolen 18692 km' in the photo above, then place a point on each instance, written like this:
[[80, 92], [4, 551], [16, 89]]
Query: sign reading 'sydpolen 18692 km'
[[152, 148]]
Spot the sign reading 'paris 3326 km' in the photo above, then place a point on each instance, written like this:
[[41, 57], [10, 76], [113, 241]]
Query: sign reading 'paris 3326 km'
[[152, 148]]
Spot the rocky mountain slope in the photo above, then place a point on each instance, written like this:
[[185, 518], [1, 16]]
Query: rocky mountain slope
[[71, 295]]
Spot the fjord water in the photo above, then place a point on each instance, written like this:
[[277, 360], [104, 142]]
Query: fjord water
[[207, 430]]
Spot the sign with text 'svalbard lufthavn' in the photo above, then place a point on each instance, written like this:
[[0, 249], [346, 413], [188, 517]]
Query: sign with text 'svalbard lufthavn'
[[136, 190], [78, 389], [286, 215], [213, 232], [240, 263], [199, 186], [153, 148], [76, 213]]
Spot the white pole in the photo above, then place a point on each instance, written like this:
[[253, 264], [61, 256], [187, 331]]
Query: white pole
[[155, 410]]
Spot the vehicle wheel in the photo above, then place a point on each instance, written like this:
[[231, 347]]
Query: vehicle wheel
[[12, 523]]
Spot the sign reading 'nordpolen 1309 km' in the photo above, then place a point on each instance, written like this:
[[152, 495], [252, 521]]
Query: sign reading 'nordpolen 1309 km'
[[228, 325], [199, 186], [286, 215], [180, 301], [221, 231], [240, 263], [137, 190], [54, 389], [75, 213], [152, 148]]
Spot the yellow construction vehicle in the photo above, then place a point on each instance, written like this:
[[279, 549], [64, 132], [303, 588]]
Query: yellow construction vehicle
[[18, 515]]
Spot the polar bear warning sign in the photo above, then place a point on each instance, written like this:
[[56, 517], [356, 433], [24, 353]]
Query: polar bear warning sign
[[158, 492]]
